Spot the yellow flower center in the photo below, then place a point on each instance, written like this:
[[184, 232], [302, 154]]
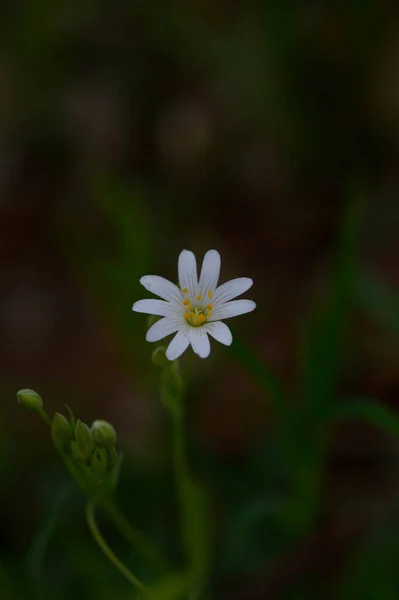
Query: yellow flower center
[[196, 315]]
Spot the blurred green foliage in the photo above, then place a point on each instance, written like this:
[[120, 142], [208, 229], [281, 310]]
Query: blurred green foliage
[[292, 113]]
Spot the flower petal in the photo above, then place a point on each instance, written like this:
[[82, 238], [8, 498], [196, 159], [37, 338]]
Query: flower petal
[[210, 272], [231, 289], [162, 328], [220, 332], [232, 309], [200, 341], [187, 268], [155, 307], [178, 345], [162, 287]]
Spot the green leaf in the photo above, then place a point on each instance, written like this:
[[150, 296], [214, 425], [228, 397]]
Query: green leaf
[[372, 572], [322, 341], [264, 377], [111, 269], [366, 410], [374, 297], [40, 543], [173, 587], [72, 418], [252, 533]]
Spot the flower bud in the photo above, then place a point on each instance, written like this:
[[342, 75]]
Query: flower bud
[[99, 462], [103, 434], [84, 444], [77, 453], [113, 456], [159, 357], [30, 400], [61, 431]]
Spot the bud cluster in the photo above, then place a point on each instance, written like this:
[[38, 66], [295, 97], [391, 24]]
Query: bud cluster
[[93, 448]]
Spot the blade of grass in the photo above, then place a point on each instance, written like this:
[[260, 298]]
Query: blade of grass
[[322, 343], [367, 410], [37, 552], [374, 297], [266, 379]]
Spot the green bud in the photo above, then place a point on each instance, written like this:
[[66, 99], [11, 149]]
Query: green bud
[[61, 431], [103, 434], [159, 357], [84, 443], [99, 462], [30, 400], [77, 453], [113, 456], [72, 419]]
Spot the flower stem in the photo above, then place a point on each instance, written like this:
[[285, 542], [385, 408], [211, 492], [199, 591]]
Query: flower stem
[[125, 528], [134, 535], [94, 530], [45, 416], [194, 513], [182, 482]]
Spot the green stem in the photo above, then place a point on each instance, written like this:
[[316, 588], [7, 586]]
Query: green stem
[[75, 472], [180, 465], [131, 533], [94, 530], [45, 416], [134, 536], [191, 498], [194, 524]]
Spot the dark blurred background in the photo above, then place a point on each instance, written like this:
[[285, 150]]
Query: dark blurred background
[[129, 131]]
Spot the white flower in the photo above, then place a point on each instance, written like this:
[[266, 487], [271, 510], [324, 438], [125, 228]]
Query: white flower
[[196, 308]]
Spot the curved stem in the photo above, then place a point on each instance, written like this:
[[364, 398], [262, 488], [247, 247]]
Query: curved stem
[[125, 528], [134, 535], [94, 530]]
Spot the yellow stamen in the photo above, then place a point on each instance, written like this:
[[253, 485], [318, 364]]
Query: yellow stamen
[[210, 295], [196, 316], [198, 297], [185, 291], [186, 302], [209, 306]]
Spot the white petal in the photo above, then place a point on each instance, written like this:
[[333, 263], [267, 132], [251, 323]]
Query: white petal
[[200, 341], [232, 309], [162, 328], [231, 289], [220, 332], [187, 268], [210, 272], [155, 307], [162, 287], [179, 344]]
